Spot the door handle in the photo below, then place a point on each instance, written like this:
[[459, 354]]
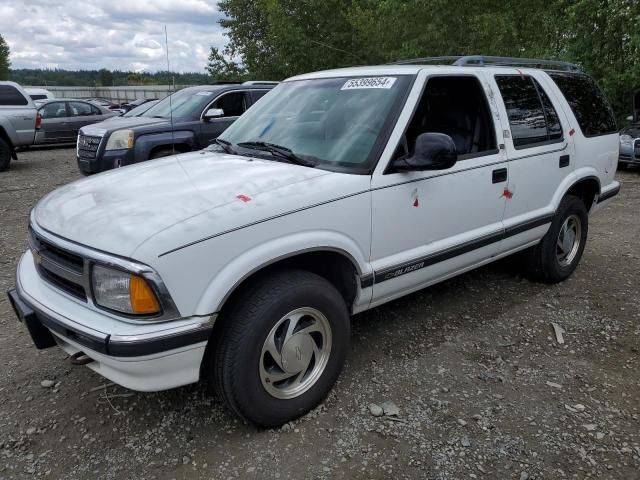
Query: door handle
[[564, 161], [499, 175]]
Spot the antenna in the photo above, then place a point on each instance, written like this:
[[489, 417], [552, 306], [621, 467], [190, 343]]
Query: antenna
[[166, 43]]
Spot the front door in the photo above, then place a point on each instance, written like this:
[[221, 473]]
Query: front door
[[428, 225], [55, 122], [233, 104]]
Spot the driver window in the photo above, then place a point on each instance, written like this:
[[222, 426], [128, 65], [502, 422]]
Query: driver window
[[456, 106], [233, 104]]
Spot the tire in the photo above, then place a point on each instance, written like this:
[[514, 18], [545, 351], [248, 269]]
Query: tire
[[163, 152], [549, 261], [241, 367], [5, 155]]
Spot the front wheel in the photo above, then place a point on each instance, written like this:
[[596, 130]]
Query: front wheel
[[557, 255], [280, 348]]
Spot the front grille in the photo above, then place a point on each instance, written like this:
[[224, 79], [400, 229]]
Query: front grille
[[88, 146], [61, 268]]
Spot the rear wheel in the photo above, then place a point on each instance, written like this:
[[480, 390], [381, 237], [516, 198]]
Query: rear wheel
[[557, 255], [5, 155], [280, 348]]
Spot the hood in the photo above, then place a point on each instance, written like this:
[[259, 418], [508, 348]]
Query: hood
[[116, 123], [117, 211]]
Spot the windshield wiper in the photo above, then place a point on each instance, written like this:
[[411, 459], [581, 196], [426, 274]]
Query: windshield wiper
[[282, 151], [226, 146]]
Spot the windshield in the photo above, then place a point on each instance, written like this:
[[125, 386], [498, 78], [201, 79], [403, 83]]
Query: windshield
[[187, 103], [333, 122], [140, 109]]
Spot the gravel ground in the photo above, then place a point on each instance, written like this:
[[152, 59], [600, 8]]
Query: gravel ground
[[482, 387]]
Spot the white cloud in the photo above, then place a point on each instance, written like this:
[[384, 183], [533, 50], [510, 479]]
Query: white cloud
[[114, 34]]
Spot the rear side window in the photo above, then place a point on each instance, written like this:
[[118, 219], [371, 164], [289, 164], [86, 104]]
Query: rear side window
[[532, 118], [589, 105], [10, 95], [38, 97]]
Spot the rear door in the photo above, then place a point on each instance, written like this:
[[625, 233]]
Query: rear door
[[233, 104], [540, 152]]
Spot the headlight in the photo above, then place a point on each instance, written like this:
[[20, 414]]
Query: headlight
[[123, 292], [120, 139], [626, 139]]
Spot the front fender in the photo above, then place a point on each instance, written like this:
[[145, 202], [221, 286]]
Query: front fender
[[251, 261], [147, 142]]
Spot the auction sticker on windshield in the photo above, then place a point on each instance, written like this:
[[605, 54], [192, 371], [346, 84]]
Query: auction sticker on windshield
[[370, 82]]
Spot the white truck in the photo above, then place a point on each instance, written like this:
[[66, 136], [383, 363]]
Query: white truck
[[19, 121], [337, 192]]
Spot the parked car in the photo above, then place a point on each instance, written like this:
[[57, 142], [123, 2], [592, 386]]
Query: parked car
[[62, 119], [39, 94], [338, 192], [103, 102], [630, 145], [18, 121], [135, 103], [140, 110], [199, 115]]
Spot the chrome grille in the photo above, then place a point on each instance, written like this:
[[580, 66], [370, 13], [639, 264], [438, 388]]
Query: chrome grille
[[88, 146], [59, 267]]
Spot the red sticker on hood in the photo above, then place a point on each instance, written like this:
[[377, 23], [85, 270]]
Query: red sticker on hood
[[244, 198]]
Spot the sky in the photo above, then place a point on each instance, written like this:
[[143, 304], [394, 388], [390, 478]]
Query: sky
[[112, 34]]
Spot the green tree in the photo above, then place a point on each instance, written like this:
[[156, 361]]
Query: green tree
[[105, 77], [274, 39], [222, 68], [5, 63]]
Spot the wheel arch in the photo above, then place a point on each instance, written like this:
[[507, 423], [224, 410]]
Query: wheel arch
[[584, 185], [146, 144], [587, 189], [335, 265]]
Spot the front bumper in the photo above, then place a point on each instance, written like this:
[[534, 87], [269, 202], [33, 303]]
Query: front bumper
[[105, 160], [145, 357]]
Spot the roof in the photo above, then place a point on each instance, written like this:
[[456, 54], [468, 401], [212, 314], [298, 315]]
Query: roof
[[230, 86], [475, 63]]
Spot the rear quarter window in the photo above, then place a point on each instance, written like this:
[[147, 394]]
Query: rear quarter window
[[588, 103], [10, 95]]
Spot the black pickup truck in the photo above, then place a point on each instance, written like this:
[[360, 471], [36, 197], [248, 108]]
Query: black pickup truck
[[188, 120]]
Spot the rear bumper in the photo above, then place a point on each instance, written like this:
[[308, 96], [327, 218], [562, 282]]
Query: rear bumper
[[139, 357]]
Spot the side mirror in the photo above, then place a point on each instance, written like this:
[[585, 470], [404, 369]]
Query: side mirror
[[433, 151], [213, 113]]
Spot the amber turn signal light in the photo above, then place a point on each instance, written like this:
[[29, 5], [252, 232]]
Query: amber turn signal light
[[143, 300]]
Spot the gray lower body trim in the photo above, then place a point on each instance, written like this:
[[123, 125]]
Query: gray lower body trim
[[390, 273]]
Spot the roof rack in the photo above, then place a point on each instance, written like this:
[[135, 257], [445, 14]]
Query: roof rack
[[260, 82], [482, 61]]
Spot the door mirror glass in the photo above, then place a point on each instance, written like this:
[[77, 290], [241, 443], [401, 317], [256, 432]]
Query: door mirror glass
[[214, 113], [433, 151]]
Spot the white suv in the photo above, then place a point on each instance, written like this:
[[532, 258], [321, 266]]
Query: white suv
[[337, 192]]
